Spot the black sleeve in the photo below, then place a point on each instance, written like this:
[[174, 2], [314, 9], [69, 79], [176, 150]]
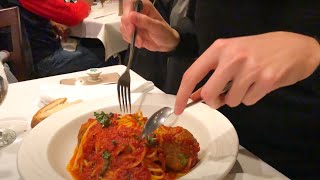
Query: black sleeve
[[187, 47], [317, 38]]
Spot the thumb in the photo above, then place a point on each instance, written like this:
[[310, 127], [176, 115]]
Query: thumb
[[216, 104], [196, 95]]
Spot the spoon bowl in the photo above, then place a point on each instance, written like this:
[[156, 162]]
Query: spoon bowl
[[156, 120], [159, 117]]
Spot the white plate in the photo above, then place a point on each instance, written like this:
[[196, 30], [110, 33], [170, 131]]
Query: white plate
[[46, 151]]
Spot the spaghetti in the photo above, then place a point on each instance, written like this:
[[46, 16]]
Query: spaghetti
[[110, 147]]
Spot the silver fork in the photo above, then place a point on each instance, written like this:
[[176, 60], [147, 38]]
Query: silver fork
[[123, 86]]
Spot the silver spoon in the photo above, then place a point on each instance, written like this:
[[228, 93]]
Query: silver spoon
[[159, 117]]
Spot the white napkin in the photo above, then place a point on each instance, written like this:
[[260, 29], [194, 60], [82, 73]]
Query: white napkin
[[50, 92]]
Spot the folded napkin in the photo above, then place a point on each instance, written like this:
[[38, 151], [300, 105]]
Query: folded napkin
[[50, 92]]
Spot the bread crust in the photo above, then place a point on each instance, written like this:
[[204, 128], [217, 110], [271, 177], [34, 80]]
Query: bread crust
[[50, 109]]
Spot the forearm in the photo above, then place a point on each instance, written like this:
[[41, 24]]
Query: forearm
[[69, 14]]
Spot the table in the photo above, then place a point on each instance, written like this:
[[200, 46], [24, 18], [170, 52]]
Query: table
[[22, 101], [103, 23]]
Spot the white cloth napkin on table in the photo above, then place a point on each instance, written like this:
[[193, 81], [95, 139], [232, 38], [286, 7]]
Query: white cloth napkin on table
[[50, 92]]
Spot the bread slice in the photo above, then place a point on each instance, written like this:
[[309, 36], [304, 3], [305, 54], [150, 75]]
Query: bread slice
[[50, 109]]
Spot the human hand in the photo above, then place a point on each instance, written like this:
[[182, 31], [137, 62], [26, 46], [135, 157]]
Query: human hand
[[256, 65], [153, 32], [61, 30]]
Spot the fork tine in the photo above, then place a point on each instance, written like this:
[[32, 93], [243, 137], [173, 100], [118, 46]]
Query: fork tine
[[123, 99], [129, 93], [119, 97], [126, 99]]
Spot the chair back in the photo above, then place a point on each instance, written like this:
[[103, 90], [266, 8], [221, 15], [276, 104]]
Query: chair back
[[10, 17]]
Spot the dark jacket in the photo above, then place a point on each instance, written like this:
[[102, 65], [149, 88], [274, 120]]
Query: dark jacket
[[283, 128]]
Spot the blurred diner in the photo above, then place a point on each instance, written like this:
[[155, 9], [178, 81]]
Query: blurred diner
[[45, 26]]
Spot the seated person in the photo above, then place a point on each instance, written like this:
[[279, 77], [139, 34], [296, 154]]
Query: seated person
[[49, 58]]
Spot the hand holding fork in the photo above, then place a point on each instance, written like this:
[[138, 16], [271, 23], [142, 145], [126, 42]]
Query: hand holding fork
[[123, 86]]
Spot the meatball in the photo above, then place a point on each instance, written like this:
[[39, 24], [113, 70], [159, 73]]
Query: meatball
[[180, 148]]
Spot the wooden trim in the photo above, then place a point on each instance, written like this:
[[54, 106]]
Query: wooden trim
[[11, 17]]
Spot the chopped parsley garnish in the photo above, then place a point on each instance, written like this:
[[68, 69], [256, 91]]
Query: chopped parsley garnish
[[183, 159], [106, 156], [151, 139], [103, 118]]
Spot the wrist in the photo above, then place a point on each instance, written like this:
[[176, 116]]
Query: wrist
[[175, 40]]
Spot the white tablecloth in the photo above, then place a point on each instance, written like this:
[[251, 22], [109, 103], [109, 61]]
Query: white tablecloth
[[22, 102], [103, 23]]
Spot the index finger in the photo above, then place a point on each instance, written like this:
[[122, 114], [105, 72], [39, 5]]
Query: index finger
[[197, 71], [127, 25]]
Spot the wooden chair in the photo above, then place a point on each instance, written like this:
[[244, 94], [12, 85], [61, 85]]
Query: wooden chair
[[10, 17]]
